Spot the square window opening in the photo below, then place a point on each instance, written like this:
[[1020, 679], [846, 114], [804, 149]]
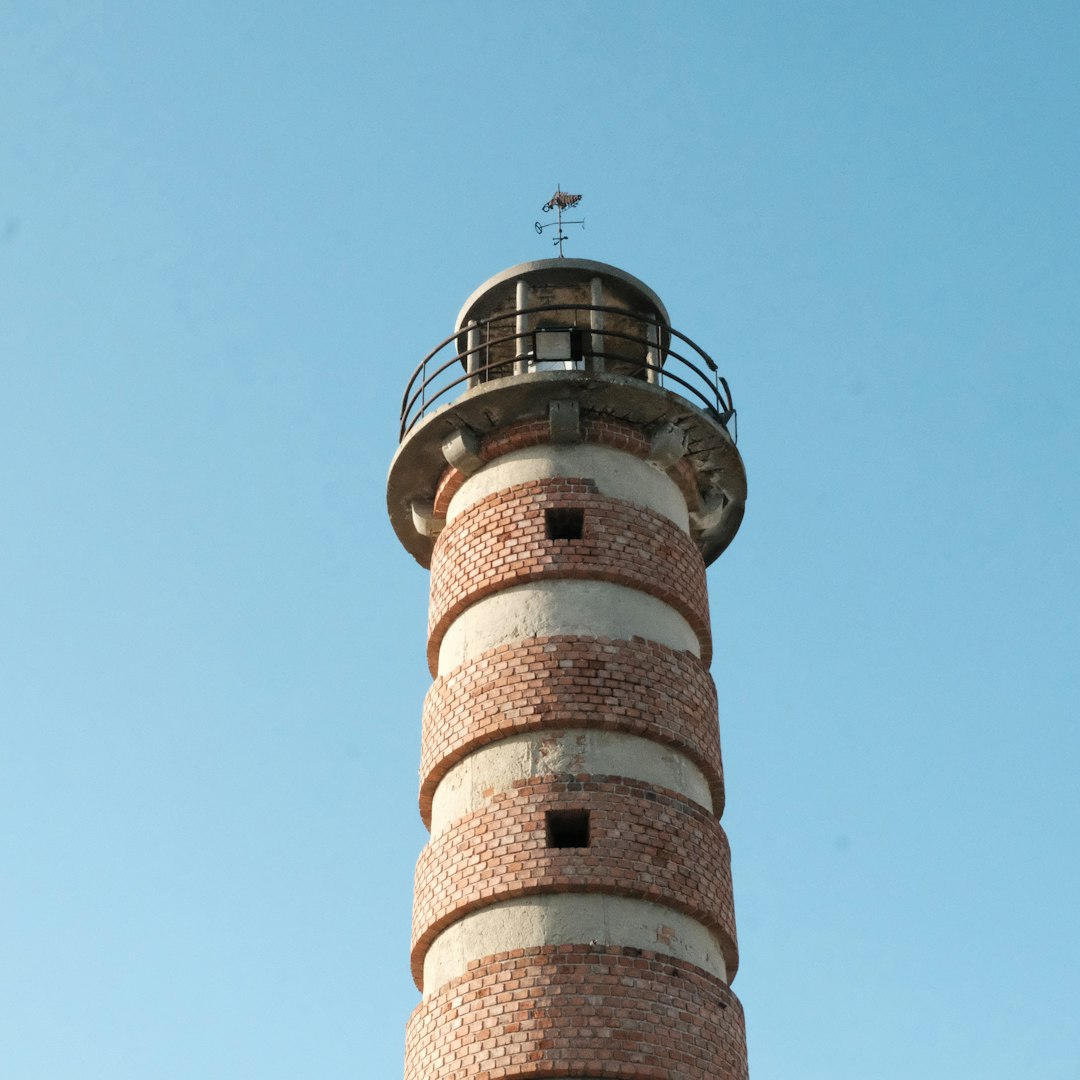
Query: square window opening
[[564, 523], [567, 828]]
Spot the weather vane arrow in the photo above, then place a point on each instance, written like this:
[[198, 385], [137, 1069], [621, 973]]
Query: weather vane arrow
[[560, 201]]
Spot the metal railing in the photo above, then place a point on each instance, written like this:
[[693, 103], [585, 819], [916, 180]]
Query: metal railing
[[491, 354]]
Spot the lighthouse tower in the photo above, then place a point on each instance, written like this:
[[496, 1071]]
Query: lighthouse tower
[[567, 470]]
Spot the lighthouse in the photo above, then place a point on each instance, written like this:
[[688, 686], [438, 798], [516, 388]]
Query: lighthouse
[[567, 469]]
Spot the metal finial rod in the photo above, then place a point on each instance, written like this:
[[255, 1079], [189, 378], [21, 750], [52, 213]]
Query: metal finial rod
[[560, 201]]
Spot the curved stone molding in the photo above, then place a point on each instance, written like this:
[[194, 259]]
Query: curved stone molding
[[616, 474], [597, 430], [570, 919], [579, 1010], [555, 607], [637, 687], [501, 766]]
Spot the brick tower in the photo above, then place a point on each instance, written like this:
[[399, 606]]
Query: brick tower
[[567, 471]]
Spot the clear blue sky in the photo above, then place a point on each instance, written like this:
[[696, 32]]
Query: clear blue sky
[[229, 232]]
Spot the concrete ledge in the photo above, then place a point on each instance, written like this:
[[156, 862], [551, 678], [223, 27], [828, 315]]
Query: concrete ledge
[[570, 919], [500, 767], [616, 474], [546, 608]]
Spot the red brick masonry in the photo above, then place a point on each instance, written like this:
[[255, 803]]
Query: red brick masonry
[[501, 541], [645, 842], [619, 436], [637, 687], [578, 1011]]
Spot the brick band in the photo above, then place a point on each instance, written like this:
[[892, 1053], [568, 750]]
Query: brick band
[[635, 687], [578, 1011], [644, 842], [502, 541]]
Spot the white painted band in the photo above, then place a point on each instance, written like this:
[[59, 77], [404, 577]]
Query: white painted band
[[616, 474], [497, 767], [561, 606], [570, 919]]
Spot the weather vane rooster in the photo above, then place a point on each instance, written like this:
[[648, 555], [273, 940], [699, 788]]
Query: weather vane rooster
[[560, 201]]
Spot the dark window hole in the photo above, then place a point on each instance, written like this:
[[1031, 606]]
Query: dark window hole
[[567, 828], [564, 522]]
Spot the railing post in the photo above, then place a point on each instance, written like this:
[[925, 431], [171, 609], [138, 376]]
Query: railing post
[[652, 354], [521, 363], [472, 361], [596, 323]]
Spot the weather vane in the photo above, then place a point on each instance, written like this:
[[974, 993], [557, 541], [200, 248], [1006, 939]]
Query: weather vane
[[559, 202]]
